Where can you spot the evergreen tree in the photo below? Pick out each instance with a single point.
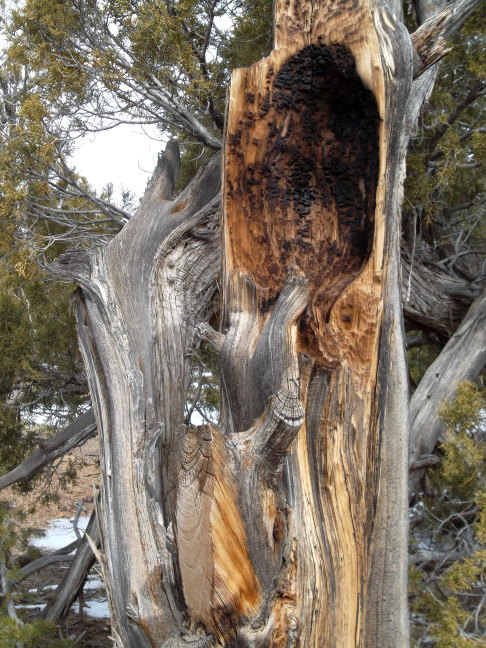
(448, 532)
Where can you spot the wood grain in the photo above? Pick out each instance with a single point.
(310, 180)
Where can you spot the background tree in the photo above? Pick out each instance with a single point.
(448, 532)
(73, 58)
(443, 212)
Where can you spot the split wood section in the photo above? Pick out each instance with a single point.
(137, 306)
(285, 526)
(309, 157)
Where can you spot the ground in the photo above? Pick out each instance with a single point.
(89, 632)
(57, 496)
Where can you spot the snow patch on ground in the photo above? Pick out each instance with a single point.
(60, 533)
(95, 608)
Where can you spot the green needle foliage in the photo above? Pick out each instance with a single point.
(16, 632)
(41, 373)
(448, 576)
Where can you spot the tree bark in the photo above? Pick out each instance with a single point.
(140, 300)
(286, 524)
(463, 358)
(61, 555)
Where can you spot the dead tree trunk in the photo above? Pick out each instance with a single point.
(314, 164)
(139, 302)
(286, 524)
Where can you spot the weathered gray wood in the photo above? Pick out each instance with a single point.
(438, 24)
(434, 301)
(141, 298)
(72, 436)
(71, 585)
(386, 613)
(443, 557)
(61, 555)
(463, 358)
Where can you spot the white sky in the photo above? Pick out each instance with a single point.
(125, 155)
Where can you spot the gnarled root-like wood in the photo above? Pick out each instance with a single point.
(228, 514)
(139, 302)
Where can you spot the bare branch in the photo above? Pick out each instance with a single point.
(74, 435)
(61, 555)
(443, 557)
(72, 583)
(215, 338)
(463, 358)
(429, 40)
(425, 462)
(433, 299)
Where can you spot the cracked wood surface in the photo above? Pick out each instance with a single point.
(312, 176)
(140, 300)
(220, 585)
(287, 525)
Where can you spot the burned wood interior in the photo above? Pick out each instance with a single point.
(302, 165)
(307, 144)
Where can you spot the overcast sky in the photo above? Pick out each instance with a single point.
(125, 155)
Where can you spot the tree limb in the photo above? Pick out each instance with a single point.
(72, 583)
(442, 557)
(462, 358)
(72, 436)
(429, 40)
(434, 300)
(425, 462)
(61, 555)
(207, 333)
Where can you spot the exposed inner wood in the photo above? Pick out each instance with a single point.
(305, 185)
(301, 174)
(220, 585)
